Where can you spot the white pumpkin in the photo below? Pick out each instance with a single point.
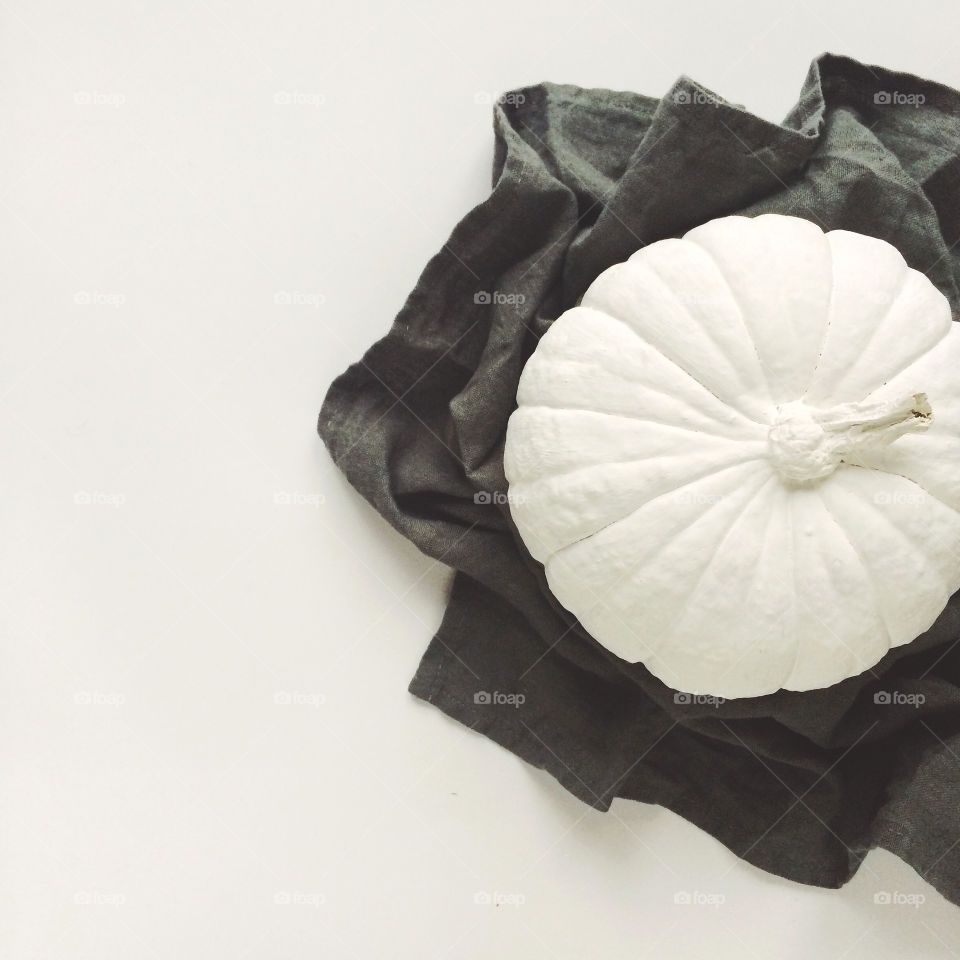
(738, 458)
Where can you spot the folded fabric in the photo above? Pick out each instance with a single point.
(800, 784)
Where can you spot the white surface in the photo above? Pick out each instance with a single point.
(157, 798)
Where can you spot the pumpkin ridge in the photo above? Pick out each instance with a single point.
(788, 509)
(828, 321)
(749, 650)
(639, 336)
(914, 361)
(603, 455)
(824, 242)
(737, 518)
(881, 322)
(661, 423)
(891, 525)
(740, 311)
(903, 476)
(558, 355)
(733, 299)
(901, 535)
(522, 495)
(721, 348)
(628, 416)
(568, 358)
(629, 627)
(667, 493)
(871, 579)
(632, 569)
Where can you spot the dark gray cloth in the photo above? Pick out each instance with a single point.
(800, 784)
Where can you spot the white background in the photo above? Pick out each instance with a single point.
(160, 799)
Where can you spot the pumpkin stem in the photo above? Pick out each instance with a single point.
(808, 444)
(910, 411)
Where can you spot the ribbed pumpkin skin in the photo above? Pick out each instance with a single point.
(643, 475)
